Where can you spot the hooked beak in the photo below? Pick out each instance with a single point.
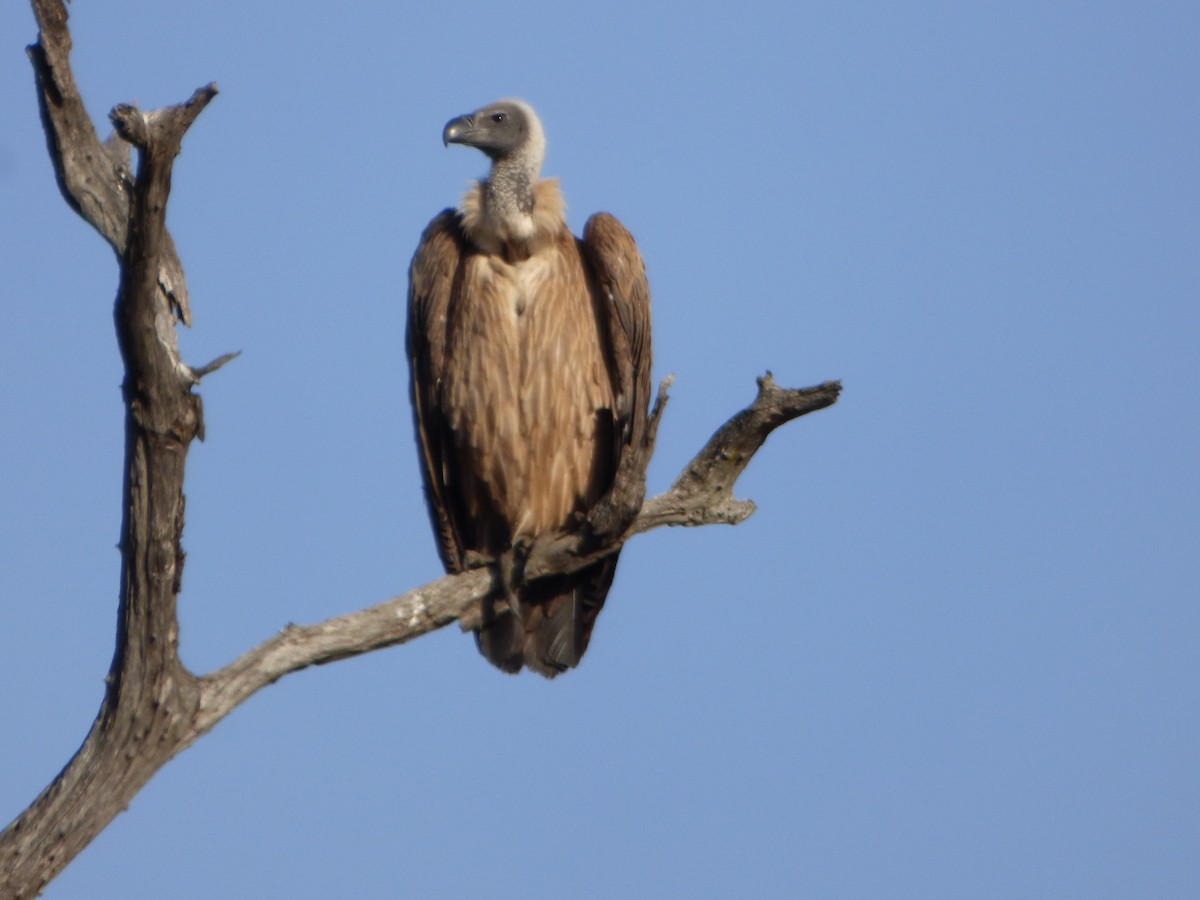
(458, 131)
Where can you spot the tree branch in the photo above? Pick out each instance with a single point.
(95, 178)
(703, 492)
(154, 707)
(700, 496)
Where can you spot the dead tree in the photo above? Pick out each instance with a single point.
(154, 707)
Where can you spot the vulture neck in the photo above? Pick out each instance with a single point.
(510, 187)
(513, 213)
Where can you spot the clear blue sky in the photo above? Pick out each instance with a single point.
(954, 654)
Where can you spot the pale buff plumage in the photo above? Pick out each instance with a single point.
(531, 376)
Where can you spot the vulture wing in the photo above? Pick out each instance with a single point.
(620, 279)
(431, 282)
(564, 609)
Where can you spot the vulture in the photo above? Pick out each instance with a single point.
(529, 354)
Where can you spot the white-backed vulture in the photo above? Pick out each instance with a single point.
(521, 414)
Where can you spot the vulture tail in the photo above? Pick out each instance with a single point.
(555, 626)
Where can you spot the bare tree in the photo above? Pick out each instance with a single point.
(154, 707)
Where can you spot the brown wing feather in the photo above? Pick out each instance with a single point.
(561, 612)
(431, 284)
(620, 277)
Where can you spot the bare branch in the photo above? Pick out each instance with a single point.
(91, 179)
(701, 495)
(296, 647)
(703, 492)
(95, 178)
(199, 372)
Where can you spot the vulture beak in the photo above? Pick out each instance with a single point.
(457, 131)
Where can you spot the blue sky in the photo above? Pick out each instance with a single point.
(954, 652)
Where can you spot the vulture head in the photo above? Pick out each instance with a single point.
(507, 130)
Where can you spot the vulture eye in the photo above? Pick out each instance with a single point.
(497, 117)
